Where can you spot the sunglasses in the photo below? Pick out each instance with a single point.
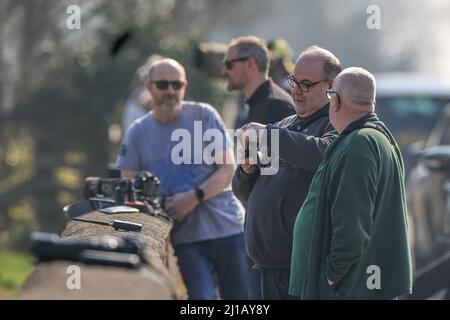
(164, 85)
(229, 64)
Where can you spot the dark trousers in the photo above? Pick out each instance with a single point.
(275, 284)
(224, 259)
(254, 281)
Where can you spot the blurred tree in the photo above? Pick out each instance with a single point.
(66, 88)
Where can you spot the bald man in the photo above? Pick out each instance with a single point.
(208, 230)
(350, 237)
(273, 201)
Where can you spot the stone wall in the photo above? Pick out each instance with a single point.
(159, 279)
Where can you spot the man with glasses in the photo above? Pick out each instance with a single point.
(208, 230)
(351, 235)
(246, 68)
(273, 201)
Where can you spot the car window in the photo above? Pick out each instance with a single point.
(404, 113)
(410, 118)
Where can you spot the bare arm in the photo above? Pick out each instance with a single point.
(221, 178)
(180, 204)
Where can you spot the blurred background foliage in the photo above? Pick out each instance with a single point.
(61, 90)
(14, 269)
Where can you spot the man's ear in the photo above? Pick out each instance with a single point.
(330, 84)
(252, 62)
(337, 106)
(148, 86)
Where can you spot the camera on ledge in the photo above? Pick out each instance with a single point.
(116, 195)
(143, 187)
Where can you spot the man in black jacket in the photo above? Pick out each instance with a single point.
(273, 201)
(246, 68)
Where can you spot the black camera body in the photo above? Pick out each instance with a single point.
(143, 187)
(101, 193)
(100, 187)
(126, 251)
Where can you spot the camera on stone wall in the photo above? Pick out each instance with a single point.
(143, 187)
(115, 195)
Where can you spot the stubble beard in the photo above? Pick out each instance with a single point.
(170, 106)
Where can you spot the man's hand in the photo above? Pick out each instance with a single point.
(248, 168)
(180, 204)
(246, 140)
(330, 283)
(253, 126)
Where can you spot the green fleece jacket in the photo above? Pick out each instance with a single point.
(352, 228)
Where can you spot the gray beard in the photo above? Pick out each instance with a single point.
(232, 87)
(166, 107)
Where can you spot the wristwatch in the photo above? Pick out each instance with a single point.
(199, 193)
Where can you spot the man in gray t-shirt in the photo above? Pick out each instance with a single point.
(185, 145)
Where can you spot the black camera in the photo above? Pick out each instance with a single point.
(143, 187)
(114, 195)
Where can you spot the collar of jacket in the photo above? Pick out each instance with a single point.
(365, 121)
(370, 120)
(261, 92)
(304, 122)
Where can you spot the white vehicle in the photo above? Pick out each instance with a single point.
(410, 105)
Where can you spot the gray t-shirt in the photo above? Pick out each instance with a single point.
(157, 147)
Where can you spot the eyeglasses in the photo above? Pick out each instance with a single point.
(303, 85)
(331, 93)
(229, 64)
(163, 84)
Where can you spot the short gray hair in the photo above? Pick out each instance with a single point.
(331, 64)
(358, 86)
(252, 46)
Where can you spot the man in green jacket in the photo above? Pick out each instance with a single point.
(351, 235)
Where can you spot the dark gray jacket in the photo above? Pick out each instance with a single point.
(268, 104)
(273, 201)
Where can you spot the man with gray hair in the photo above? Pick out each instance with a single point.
(246, 68)
(351, 235)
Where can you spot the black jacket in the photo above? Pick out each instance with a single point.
(273, 201)
(268, 104)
